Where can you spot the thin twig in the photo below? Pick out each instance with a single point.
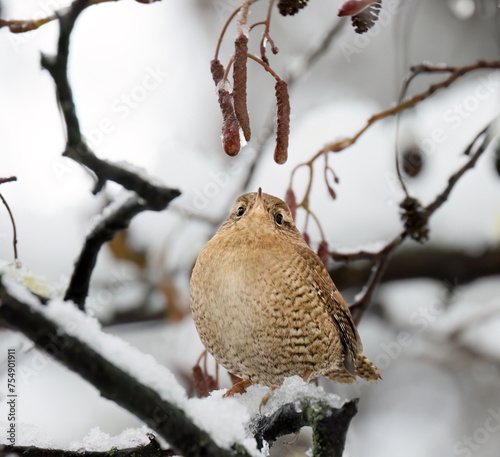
(410, 103)
(265, 66)
(26, 25)
(223, 32)
(265, 34)
(13, 222)
(382, 257)
(4, 180)
(361, 304)
(454, 178)
(456, 73)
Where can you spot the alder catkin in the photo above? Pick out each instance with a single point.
(240, 84)
(230, 127)
(283, 122)
(217, 71)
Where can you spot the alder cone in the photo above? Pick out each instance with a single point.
(413, 161)
(365, 20)
(290, 7)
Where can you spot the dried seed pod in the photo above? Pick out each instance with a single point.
(323, 253)
(217, 71)
(290, 7)
(291, 201)
(413, 162)
(240, 84)
(283, 122)
(230, 126)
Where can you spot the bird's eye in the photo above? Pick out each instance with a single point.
(279, 218)
(240, 211)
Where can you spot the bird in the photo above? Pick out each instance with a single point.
(265, 306)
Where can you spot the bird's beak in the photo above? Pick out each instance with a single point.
(259, 200)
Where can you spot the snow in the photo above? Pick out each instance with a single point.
(97, 440)
(122, 197)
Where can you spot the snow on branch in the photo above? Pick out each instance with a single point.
(116, 219)
(120, 372)
(152, 449)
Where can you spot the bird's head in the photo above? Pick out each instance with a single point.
(265, 211)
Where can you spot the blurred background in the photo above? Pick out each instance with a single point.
(144, 95)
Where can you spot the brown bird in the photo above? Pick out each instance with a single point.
(264, 304)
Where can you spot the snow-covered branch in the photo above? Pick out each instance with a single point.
(329, 425)
(152, 449)
(121, 374)
(116, 218)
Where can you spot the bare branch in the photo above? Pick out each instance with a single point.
(76, 148)
(451, 265)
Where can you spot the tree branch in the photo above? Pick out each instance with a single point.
(152, 449)
(451, 265)
(115, 384)
(151, 196)
(329, 425)
(416, 219)
(103, 232)
(76, 148)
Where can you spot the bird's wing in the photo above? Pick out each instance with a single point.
(336, 308)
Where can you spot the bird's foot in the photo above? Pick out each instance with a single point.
(266, 397)
(238, 388)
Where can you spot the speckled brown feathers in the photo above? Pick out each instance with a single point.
(264, 304)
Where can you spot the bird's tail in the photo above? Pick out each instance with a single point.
(364, 369)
